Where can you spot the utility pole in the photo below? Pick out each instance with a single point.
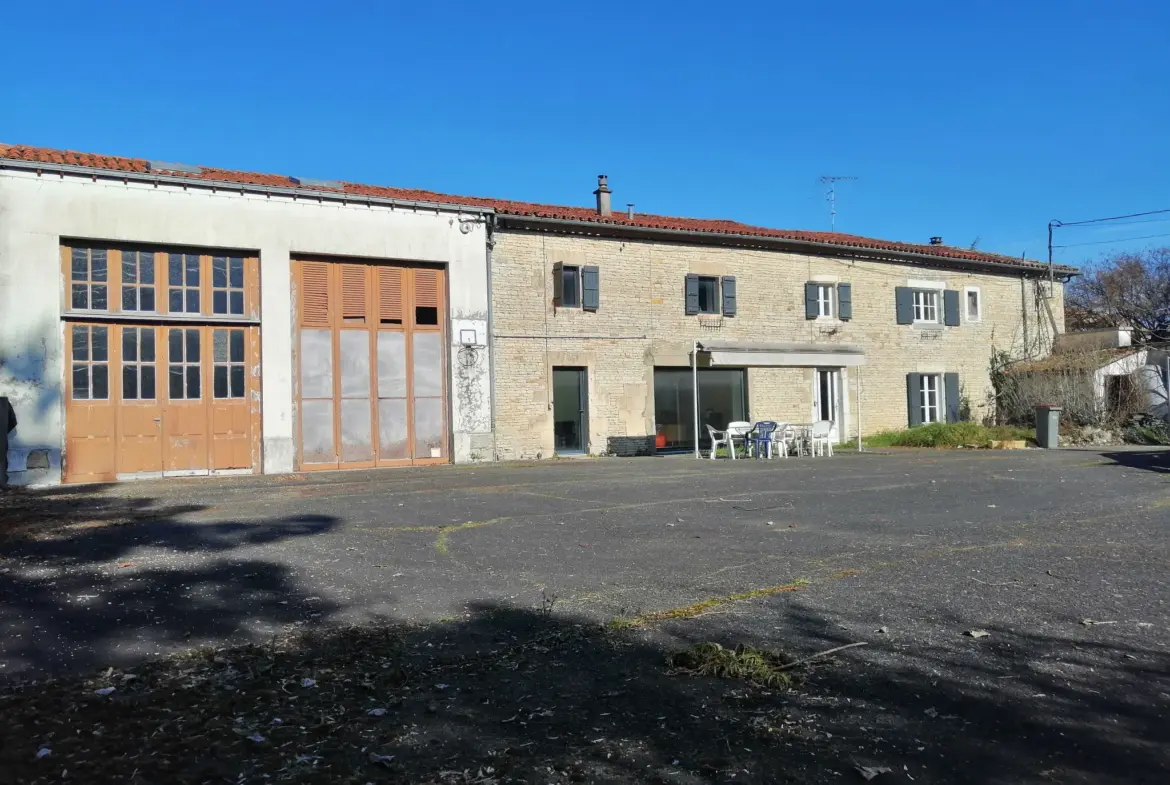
(1051, 270)
(831, 195)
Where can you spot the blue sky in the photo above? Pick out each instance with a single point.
(966, 120)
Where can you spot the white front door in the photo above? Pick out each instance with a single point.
(827, 399)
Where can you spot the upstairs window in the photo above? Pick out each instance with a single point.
(973, 305)
(227, 285)
(708, 294)
(566, 285)
(826, 300)
(183, 282)
(137, 280)
(926, 306)
(89, 275)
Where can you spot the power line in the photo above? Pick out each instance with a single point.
(1129, 223)
(1054, 224)
(1114, 218)
(1112, 242)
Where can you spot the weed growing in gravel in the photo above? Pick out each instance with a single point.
(710, 659)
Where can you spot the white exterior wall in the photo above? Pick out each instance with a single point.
(37, 211)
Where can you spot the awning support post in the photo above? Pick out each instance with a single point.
(695, 392)
(859, 447)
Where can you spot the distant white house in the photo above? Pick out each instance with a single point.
(1102, 366)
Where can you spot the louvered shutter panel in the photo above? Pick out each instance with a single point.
(845, 301)
(904, 304)
(951, 308)
(914, 398)
(426, 289)
(353, 292)
(390, 295)
(692, 294)
(558, 284)
(590, 288)
(951, 393)
(812, 306)
(729, 295)
(314, 294)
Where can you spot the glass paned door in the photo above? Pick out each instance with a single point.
(570, 405)
(827, 399)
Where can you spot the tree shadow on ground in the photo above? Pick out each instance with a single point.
(1146, 460)
(516, 695)
(91, 579)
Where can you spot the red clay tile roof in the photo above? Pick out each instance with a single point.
(526, 209)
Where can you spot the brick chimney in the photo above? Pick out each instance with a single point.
(602, 193)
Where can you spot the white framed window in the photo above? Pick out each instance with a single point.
(926, 306)
(972, 304)
(930, 397)
(826, 300)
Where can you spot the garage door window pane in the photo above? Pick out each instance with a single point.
(184, 364)
(392, 435)
(428, 428)
(316, 364)
(317, 432)
(428, 364)
(355, 364)
(356, 444)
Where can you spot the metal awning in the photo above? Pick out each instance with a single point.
(792, 355)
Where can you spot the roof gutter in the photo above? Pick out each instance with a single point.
(243, 188)
(1062, 272)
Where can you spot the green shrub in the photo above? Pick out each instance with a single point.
(948, 435)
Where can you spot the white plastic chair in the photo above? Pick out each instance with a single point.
(719, 439)
(819, 438)
(737, 430)
(780, 438)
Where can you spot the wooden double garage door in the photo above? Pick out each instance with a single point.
(151, 399)
(371, 364)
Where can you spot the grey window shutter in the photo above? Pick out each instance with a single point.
(558, 284)
(844, 301)
(904, 302)
(951, 393)
(812, 308)
(729, 295)
(914, 398)
(951, 308)
(590, 288)
(692, 294)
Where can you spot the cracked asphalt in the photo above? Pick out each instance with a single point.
(920, 542)
(1056, 561)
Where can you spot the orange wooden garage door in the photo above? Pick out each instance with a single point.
(371, 365)
(149, 399)
(159, 362)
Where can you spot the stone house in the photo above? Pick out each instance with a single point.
(595, 315)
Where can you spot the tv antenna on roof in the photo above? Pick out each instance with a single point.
(831, 195)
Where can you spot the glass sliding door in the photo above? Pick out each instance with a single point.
(722, 400)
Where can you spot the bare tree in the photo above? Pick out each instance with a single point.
(1129, 288)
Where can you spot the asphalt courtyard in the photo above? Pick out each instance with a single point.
(1008, 600)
